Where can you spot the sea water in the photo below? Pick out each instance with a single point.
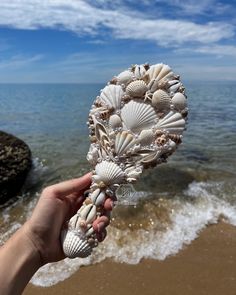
(173, 203)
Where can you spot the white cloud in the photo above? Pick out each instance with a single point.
(83, 18)
(213, 49)
(18, 61)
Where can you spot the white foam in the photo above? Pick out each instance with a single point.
(199, 208)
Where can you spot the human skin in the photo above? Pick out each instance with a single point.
(37, 242)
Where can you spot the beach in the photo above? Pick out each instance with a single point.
(164, 239)
(207, 266)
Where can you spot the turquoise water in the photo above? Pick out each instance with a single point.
(193, 189)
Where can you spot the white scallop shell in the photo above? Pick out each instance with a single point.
(136, 88)
(158, 71)
(124, 141)
(137, 116)
(139, 71)
(161, 100)
(111, 96)
(172, 122)
(125, 77)
(75, 246)
(109, 173)
(179, 101)
(146, 137)
(115, 121)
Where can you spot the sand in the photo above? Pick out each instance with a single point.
(207, 266)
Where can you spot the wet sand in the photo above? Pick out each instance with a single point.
(207, 266)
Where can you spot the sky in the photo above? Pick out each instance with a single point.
(76, 41)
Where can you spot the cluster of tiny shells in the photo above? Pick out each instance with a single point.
(135, 123)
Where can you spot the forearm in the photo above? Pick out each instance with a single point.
(19, 260)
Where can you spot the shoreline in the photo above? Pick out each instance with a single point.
(206, 266)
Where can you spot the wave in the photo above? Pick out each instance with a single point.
(199, 206)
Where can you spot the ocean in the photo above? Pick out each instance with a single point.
(173, 202)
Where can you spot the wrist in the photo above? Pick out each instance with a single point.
(19, 261)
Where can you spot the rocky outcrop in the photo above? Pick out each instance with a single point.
(15, 163)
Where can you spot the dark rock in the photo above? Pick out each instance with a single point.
(15, 163)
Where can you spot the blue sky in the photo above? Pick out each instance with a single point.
(91, 41)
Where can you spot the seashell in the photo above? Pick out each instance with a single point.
(161, 100)
(137, 116)
(75, 246)
(87, 213)
(136, 88)
(158, 71)
(179, 101)
(111, 96)
(74, 222)
(175, 137)
(102, 136)
(172, 122)
(92, 155)
(139, 71)
(109, 173)
(146, 137)
(98, 197)
(123, 142)
(161, 140)
(125, 77)
(174, 87)
(115, 121)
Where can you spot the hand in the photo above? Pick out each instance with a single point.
(57, 204)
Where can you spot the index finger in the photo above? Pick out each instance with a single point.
(68, 187)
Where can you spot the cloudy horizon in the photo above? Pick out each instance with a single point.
(79, 41)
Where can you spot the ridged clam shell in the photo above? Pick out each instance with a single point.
(158, 71)
(139, 71)
(74, 245)
(111, 96)
(98, 197)
(109, 173)
(172, 122)
(161, 100)
(124, 141)
(115, 121)
(137, 116)
(146, 137)
(136, 88)
(179, 101)
(125, 77)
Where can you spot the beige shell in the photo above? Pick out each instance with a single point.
(125, 77)
(87, 213)
(111, 96)
(146, 137)
(74, 245)
(109, 173)
(158, 71)
(98, 197)
(179, 101)
(137, 116)
(124, 141)
(172, 122)
(139, 71)
(115, 121)
(136, 88)
(161, 100)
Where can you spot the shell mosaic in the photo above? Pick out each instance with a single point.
(135, 123)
